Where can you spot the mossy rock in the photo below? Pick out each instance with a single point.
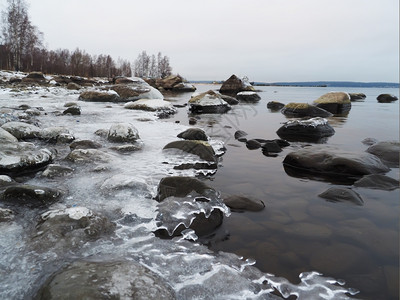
(334, 102)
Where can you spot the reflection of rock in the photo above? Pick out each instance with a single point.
(342, 195)
(105, 280)
(386, 98)
(334, 102)
(387, 151)
(377, 181)
(30, 196)
(234, 85)
(332, 164)
(299, 110)
(208, 102)
(242, 203)
(312, 130)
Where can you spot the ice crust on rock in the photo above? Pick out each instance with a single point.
(75, 213)
(313, 122)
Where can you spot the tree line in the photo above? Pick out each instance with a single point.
(21, 49)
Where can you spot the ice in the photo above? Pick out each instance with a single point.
(314, 122)
(75, 213)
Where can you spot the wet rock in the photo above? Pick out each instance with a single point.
(98, 96)
(243, 203)
(84, 144)
(378, 182)
(240, 135)
(73, 86)
(208, 102)
(105, 280)
(332, 164)
(73, 110)
(253, 144)
(199, 148)
(300, 110)
(88, 156)
(234, 85)
(193, 134)
(22, 130)
(157, 105)
(386, 98)
(312, 130)
(230, 100)
(387, 151)
(275, 105)
(248, 96)
(70, 228)
(54, 170)
(122, 133)
(335, 194)
(6, 215)
(30, 195)
(274, 146)
(57, 134)
(335, 102)
(22, 158)
(121, 181)
(357, 96)
(127, 148)
(6, 137)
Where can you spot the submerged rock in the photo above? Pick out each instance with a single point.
(378, 182)
(335, 194)
(387, 151)
(332, 164)
(30, 195)
(300, 110)
(312, 130)
(334, 102)
(208, 102)
(234, 85)
(193, 134)
(122, 133)
(243, 203)
(386, 98)
(105, 280)
(199, 148)
(248, 96)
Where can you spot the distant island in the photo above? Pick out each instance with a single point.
(318, 84)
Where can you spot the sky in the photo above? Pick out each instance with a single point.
(266, 40)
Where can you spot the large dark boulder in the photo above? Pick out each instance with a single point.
(234, 85)
(208, 102)
(336, 103)
(334, 165)
(105, 280)
(312, 130)
(193, 134)
(386, 98)
(300, 110)
(248, 96)
(387, 151)
(199, 148)
(174, 83)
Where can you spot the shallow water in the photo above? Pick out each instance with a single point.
(299, 231)
(285, 239)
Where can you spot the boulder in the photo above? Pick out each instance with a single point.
(229, 99)
(73, 86)
(122, 133)
(300, 110)
(57, 134)
(99, 96)
(248, 96)
(240, 135)
(135, 91)
(158, 105)
(193, 134)
(335, 102)
(208, 102)
(243, 203)
(23, 158)
(275, 105)
(386, 98)
(22, 130)
(73, 110)
(253, 144)
(105, 280)
(378, 182)
(200, 148)
(174, 83)
(30, 195)
(387, 151)
(335, 194)
(234, 85)
(312, 130)
(357, 96)
(273, 146)
(332, 164)
(34, 77)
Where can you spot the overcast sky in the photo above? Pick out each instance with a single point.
(267, 40)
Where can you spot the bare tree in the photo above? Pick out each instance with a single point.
(149, 67)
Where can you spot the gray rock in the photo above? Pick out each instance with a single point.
(378, 182)
(253, 144)
(84, 144)
(248, 96)
(230, 100)
(357, 96)
(335, 102)
(127, 148)
(122, 133)
(105, 280)
(387, 151)
(6, 137)
(88, 156)
(57, 134)
(98, 96)
(193, 134)
(53, 171)
(386, 98)
(243, 203)
(22, 130)
(275, 105)
(73, 86)
(335, 194)
(199, 148)
(30, 195)
(73, 110)
(332, 164)
(240, 135)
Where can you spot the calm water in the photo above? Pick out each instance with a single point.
(298, 231)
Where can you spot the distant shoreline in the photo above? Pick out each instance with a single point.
(315, 84)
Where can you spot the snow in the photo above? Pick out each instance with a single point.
(314, 122)
(75, 213)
